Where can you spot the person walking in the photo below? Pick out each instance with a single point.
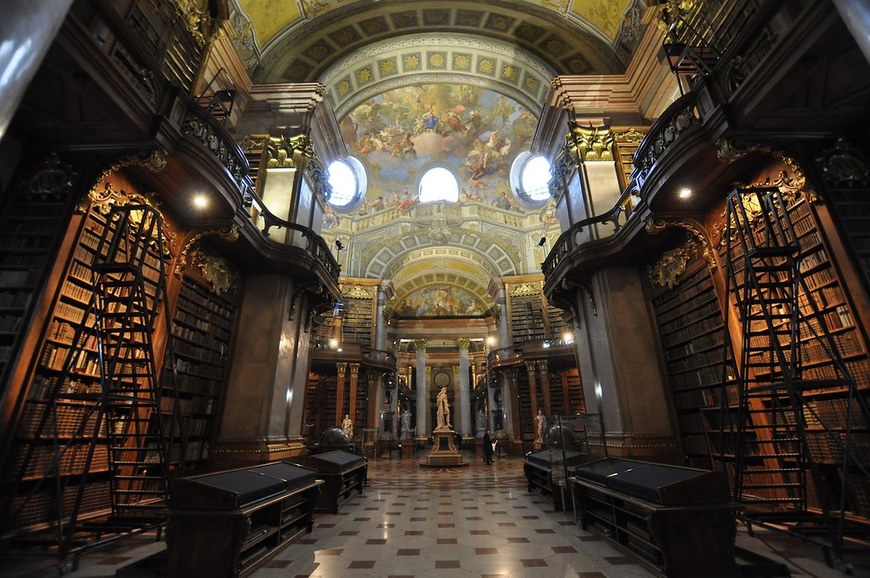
(487, 448)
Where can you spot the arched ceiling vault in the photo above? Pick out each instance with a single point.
(290, 42)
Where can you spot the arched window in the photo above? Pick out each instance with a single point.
(438, 184)
(530, 178)
(347, 179)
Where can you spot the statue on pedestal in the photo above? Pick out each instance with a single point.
(347, 426)
(442, 409)
(480, 423)
(542, 424)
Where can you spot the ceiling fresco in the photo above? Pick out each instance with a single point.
(416, 84)
(440, 300)
(476, 133)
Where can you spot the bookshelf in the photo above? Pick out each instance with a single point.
(526, 318)
(821, 404)
(29, 232)
(852, 208)
(202, 331)
(693, 343)
(62, 465)
(358, 316)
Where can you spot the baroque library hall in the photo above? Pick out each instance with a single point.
(504, 288)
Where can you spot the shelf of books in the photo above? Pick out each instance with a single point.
(527, 318)
(57, 443)
(29, 231)
(202, 331)
(358, 315)
(693, 343)
(827, 408)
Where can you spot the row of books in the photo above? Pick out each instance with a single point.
(19, 278)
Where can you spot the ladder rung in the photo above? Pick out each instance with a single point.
(771, 471)
(140, 492)
(760, 500)
(772, 486)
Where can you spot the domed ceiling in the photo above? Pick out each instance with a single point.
(416, 85)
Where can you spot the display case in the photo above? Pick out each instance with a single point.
(342, 473)
(568, 442)
(676, 521)
(228, 523)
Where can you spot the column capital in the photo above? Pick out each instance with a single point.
(543, 364)
(530, 366)
(354, 368)
(420, 344)
(590, 143)
(463, 343)
(341, 367)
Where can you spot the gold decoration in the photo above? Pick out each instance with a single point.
(288, 152)
(525, 290)
(197, 21)
(420, 345)
(216, 271)
(632, 135)
(509, 72)
(656, 225)
(387, 66)
(591, 144)
(461, 61)
(667, 271)
(486, 65)
(728, 151)
(230, 233)
(356, 292)
(343, 87)
(154, 160)
(463, 343)
(411, 62)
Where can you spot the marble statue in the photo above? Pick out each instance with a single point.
(442, 408)
(542, 423)
(480, 423)
(406, 424)
(347, 426)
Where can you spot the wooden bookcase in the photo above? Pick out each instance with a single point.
(29, 232)
(692, 335)
(824, 409)
(527, 318)
(59, 419)
(202, 331)
(358, 326)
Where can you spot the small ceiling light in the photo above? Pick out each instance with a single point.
(546, 345)
(568, 337)
(684, 193)
(490, 340)
(333, 343)
(200, 201)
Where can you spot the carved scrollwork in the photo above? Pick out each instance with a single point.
(525, 290)
(842, 167)
(356, 292)
(656, 225)
(668, 270)
(229, 233)
(289, 152)
(217, 272)
(51, 180)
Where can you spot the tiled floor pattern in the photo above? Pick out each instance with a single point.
(417, 522)
(477, 520)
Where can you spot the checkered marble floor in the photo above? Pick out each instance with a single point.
(477, 520)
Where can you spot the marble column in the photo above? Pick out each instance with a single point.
(28, 30)
(464, 391)
(492, 389)
(422, 393)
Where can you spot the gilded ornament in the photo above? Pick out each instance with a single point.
(525, 290)
(51, 180)
(656, 225)
(216, 271)
(356, 292)
(387, 67)
(667, 270)
(590, 144)
(288, 152)
(230, 233)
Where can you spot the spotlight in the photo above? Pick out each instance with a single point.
(542, 242)
(200, 201)
(684, 193)
(339, 245)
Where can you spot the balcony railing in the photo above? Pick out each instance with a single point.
(201, 126)
(677, 118)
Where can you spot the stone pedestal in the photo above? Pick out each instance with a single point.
(444, 451)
